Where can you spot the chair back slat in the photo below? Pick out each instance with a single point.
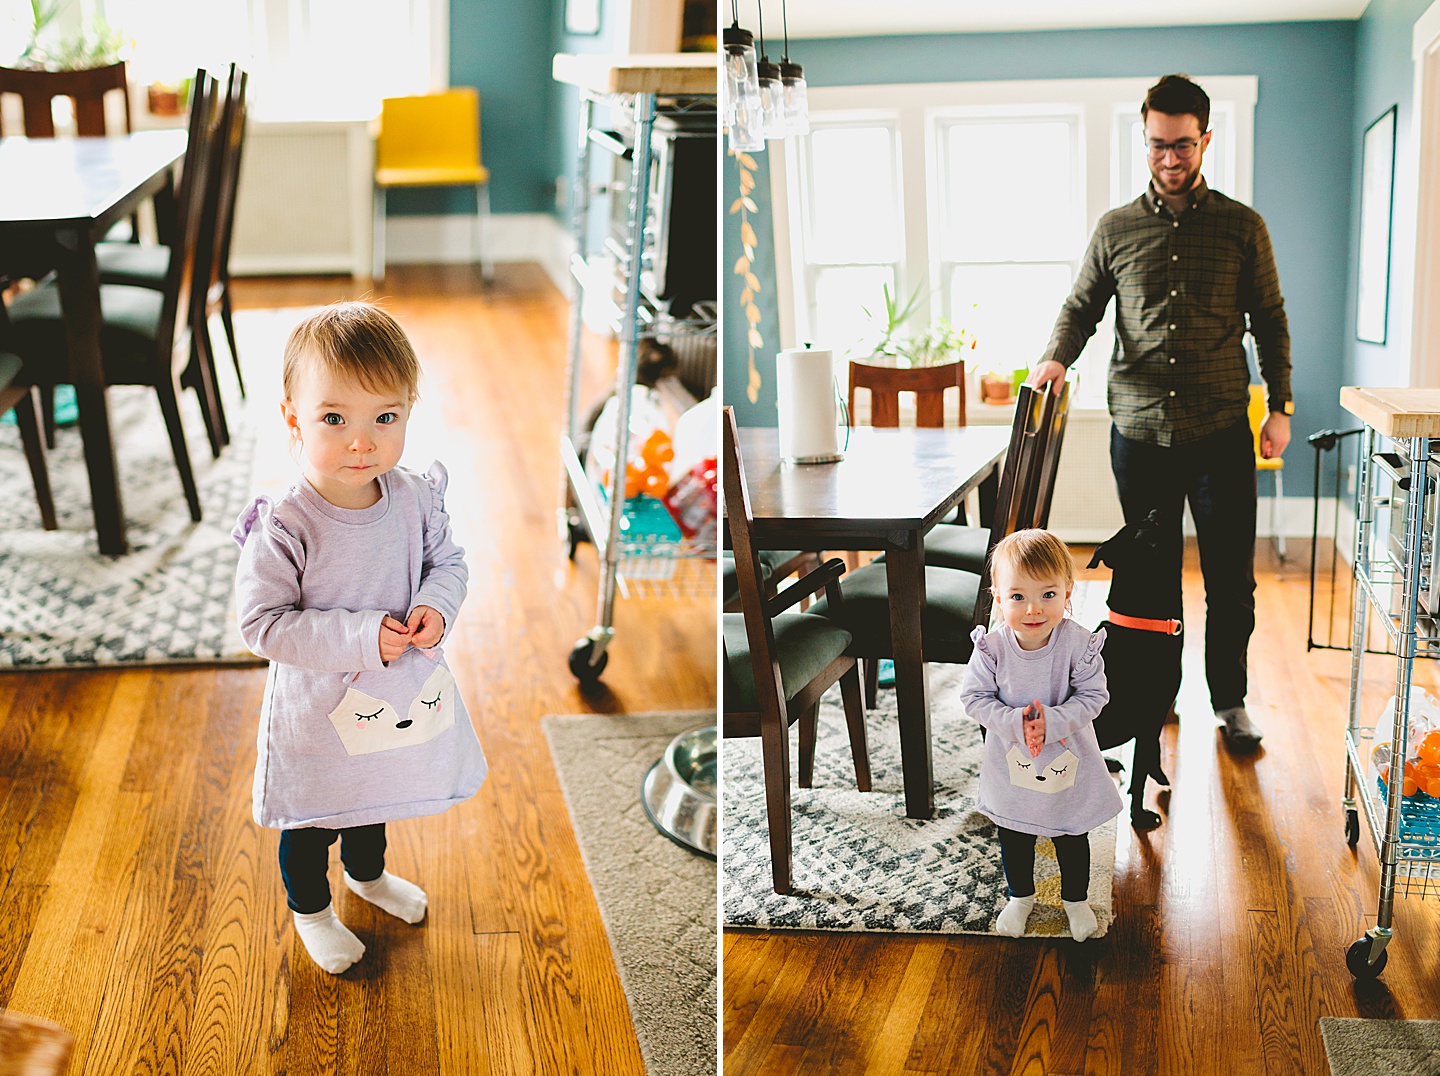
(86, 89)
(1029, 432)
(180, 279)
(928, 383)
(1050, 460)
(222, 178)
(769, 687)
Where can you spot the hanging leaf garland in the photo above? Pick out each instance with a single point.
(745, 205)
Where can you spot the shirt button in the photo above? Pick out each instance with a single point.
(1174, 257)
(1173, 292)
(1172, 360)
(1175, 224)
(1172, 325)
(1172, 392)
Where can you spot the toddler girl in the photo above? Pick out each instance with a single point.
(348, 584)
(1036, 683)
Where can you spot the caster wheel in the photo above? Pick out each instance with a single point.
(580, 662)
(1357, 959)
(1352, 827)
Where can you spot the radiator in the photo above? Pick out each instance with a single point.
(304, 203)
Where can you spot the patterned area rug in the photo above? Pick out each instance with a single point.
(859, 863)
(657, 898)
(170, 599)
(1381, 1047)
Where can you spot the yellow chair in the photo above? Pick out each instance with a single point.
(431, 140)
(1276, 467)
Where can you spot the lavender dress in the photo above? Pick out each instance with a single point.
(346, 740)
(1067, 789)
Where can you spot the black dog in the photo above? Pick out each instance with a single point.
(1142, 661)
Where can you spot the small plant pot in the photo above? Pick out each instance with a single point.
(995, 390)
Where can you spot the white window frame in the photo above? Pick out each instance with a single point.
(1105, 107)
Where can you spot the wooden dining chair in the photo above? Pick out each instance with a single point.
(147, 266)
(27, 417)
(950, 545)
(956, 602)
(778, 664)
(87, 90)
(144, 333)
(928, 383)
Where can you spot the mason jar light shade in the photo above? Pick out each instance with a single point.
(772, 101)
(797, 109)
(742, 81)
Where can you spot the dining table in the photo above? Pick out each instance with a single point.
(891, 487)
(58, 198)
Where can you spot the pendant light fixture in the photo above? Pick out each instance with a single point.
(772, 92)
(741, 105)
(792, 80)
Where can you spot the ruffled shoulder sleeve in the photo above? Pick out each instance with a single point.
(981, 638)
(250, 517)
(437, 478)
(1093, 647)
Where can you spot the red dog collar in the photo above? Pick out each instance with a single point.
(1166, 627)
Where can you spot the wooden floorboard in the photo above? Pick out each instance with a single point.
(1232, 918)
(141, 907)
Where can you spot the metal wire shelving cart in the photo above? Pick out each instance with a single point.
(631, 88)
(1397, 584)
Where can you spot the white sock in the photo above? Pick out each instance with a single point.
(327, 940)
(402, 899)
(1013, 917)
(1082, 919)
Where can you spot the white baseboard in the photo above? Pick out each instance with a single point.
(450, 239)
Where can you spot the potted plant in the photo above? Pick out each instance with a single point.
(934, 345)
(97, 45)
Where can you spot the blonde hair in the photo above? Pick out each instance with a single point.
(1036, 553)
(355, 341)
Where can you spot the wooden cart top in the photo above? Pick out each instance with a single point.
(1395, 412)
(669, 73)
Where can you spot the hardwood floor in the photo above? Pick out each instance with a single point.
(1232, 918)
(141, 907)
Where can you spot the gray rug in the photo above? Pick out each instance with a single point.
(657, 899)
(860, 863)
(170, 600)
(1381, 1047)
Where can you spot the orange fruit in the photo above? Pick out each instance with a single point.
(1429, 749)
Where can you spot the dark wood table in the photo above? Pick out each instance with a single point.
(891, 488)
(58, 196)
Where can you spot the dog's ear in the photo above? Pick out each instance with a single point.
(1104, 550)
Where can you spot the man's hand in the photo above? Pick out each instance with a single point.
(1049, 373)
(426, 626)
(394, 637)
(1274, 435)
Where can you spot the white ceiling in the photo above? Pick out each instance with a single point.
(853, 18)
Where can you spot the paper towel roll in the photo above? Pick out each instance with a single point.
(806, 394)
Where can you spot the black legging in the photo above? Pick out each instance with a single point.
(305, 860)
(1017, 852)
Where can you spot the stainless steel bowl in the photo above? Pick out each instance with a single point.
(679, 791)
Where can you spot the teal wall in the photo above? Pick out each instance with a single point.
(527, 120)
(1304, 142)
(1384, 76)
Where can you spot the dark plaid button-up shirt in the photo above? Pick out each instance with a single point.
(1186, 289)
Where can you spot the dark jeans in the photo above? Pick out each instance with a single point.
(1217, 476)
(305, 861)
(1017, 853)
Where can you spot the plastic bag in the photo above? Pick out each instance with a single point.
(646, 470)
(1421, 765)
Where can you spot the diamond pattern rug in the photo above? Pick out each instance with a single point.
(170, 600)
(859, 862)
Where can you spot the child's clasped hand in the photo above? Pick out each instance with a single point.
(1034, 725)
(423, 629)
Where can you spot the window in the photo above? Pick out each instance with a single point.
(978, 199)
(308, 59)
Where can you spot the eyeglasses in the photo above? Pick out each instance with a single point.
(1183, 149)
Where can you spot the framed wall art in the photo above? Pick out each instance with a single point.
(1377, 185)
